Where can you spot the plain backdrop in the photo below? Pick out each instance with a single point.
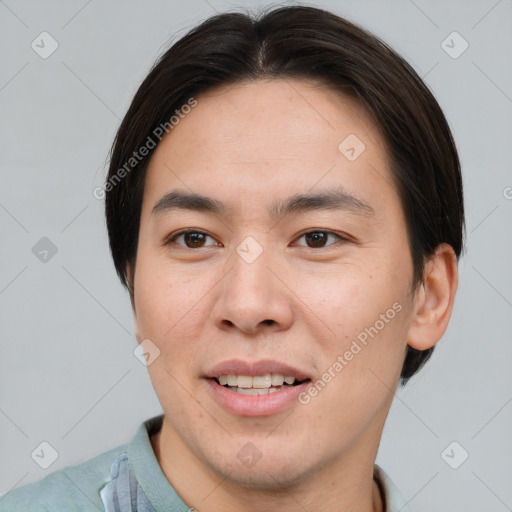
(68, 375)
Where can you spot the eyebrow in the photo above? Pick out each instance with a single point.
(331, 199)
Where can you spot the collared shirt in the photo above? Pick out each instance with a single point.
(128, 479)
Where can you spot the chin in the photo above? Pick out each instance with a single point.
(266, 479)
(270, 474)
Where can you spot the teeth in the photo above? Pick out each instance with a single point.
(277, 379)
(255, 391)
(261, 382)
(244, 381)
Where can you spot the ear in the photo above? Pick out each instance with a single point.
(433, 302)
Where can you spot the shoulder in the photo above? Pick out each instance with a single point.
(73, 488)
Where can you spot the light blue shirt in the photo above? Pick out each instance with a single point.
(127, 479)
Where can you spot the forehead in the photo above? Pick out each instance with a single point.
(256, 138)
(273, 115)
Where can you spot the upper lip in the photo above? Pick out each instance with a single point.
(253, 368)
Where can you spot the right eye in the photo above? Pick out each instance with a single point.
(193, 239)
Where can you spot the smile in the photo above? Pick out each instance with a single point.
(258, 384)
(253, 401)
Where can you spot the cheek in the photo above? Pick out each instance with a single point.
(170, 314)
(352, 295)
(358, 316)
(169, 307)
(362, 352)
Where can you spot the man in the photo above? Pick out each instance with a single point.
(284, 205)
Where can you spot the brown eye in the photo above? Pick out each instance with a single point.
(318, 239)
(191, 239)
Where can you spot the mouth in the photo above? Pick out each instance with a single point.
(258, 389)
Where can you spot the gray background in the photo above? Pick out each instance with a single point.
(68, 375)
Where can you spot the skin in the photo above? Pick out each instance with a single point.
(247, 145)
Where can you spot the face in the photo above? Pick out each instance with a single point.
(259, 282)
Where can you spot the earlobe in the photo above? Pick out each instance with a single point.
(434, 299)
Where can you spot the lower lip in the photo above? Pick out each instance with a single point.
(256, 405)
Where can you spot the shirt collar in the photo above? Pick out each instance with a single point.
(147, 470)
(392, 499)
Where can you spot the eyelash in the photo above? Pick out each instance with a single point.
(171, 239)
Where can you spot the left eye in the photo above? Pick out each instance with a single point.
(319, 238)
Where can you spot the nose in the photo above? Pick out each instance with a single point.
(254, 296)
